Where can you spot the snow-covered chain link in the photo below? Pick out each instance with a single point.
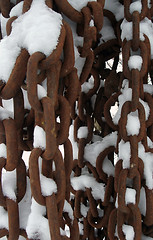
(86, 122)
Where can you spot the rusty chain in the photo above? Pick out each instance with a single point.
(89, 174)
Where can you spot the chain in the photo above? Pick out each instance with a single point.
(89, 174)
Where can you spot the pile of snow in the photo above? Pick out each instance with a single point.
(84, 181)
(37, 30)
(37, 225)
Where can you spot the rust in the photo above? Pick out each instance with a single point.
(17, 76)
(5, 7)
(99, 208)
(12, 145)
(13, 219)
(32, 80)
(9, 24)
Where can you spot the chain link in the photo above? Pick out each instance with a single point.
(88, 169)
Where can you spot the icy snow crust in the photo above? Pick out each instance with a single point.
(36, 30)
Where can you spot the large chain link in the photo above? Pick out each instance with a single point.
(87, 123)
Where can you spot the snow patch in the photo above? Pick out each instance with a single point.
(3, 151)
(37, 226)
(93, 150)
(128, 231)
(39, 138)
(135, 62)
(130, 195)
(84, 181)
(125, 153)
(48, 186)
(83, 132)
(9, 184)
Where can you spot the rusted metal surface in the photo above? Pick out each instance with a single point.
(99, 206)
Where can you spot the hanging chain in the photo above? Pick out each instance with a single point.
(87, 124)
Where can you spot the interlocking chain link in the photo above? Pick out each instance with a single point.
(84, 113)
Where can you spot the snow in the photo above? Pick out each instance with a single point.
(29, 32)
(9, 51)
(108, 167)
(79, 4)
(107, 31)
(116, 202)
(146, 108)
(133, 124)
(126, 95)
(48, 186)
(143, 237)
(135, 6)
(26, 101)
(39, 138)
(3, 152)
(78, 41)
(125, 153)
(82, 182)
(20, 238)
(128, 231)
(146, 28)
(86, 86)
(9, 184)
(130, 195)
(24, 207)
(67, 208)
(135, 62)
(3, 218)
(81, 228)
(3, 25)
(147, 158)
(93, 150)
(114, 110)
(25, 157)
(34, 24)
(148, 88)
(83, 132)
(41, 92)
(84, 210)
(37, 226)
(16, 10)
(142, 202)
(74, 144)
(91, 24)
(9, 105)
(116, 8)
(65, 232)
(79, 63)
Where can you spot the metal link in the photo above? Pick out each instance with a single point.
(80, 146)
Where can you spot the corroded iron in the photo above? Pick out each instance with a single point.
(98, 211)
